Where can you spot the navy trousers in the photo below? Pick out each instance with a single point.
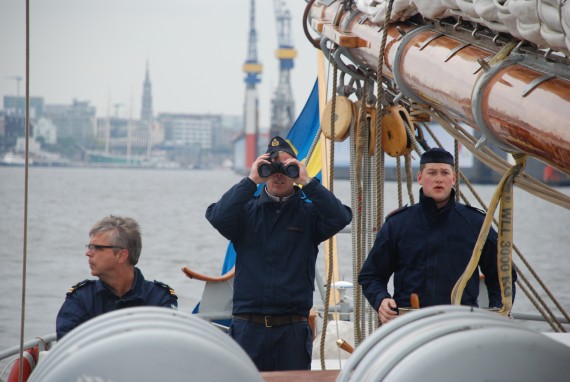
(286, 347)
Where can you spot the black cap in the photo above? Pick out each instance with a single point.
(437, 155)
(280, 144)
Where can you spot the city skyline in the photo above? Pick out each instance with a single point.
(98, 53)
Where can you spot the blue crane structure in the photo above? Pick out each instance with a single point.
(282, 103)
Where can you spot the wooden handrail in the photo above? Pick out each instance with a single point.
(198, 276)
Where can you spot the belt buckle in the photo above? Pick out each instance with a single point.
(268, 323)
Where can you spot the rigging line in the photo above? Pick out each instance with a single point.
(547, 314)
(370, 234)
(356, 200)
(379, 151)
(330, 259)
(457, 180)
(409, 177)
(399, 179)
(326, 297)
(533, 301)
(368, 199)
(26, 176)
(360, 139)
(542, 284)
(356, 226)
(331, 239)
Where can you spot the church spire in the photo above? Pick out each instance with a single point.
(146, 109)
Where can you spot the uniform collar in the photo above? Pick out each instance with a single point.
(266, 197)
(100, 286)
(428, 204)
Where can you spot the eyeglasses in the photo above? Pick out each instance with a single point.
(97, 247)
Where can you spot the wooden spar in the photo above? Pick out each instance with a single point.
(522, 104)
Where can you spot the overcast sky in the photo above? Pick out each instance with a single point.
(97, 51)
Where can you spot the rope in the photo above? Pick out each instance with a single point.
(551, 320)
(355, 204)
(369, 234)
(379, 152)
(26, 189)
(367, 215)
(535, 299)
(361, 138)
(399, 179)
(409, 178)
(313, 146)
(331, 252)
(456, 164)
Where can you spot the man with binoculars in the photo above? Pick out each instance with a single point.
(276, 235)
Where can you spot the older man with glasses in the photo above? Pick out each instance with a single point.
(113, 251)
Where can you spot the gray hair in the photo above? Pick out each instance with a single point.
(125, 233)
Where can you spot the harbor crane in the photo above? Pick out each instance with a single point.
(282, 103)
(252, 69)
(18, 80)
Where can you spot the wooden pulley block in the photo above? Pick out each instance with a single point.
(343, 116)
(395, 141)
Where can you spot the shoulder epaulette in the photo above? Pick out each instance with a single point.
(165, 286)
(476, 209)
(396, 211)
(79, 285)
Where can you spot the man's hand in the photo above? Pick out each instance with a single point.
(304, 177)
(388, 310)
(253, 174)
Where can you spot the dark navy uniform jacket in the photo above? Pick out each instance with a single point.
(427, 251)
(90, 298)
(276, 244)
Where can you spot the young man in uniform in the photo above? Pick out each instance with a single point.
(427, 247)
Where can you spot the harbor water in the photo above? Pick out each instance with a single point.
(63, 204)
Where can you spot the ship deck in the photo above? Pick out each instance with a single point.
(300, 376)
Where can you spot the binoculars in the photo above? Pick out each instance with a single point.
(291, 170)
